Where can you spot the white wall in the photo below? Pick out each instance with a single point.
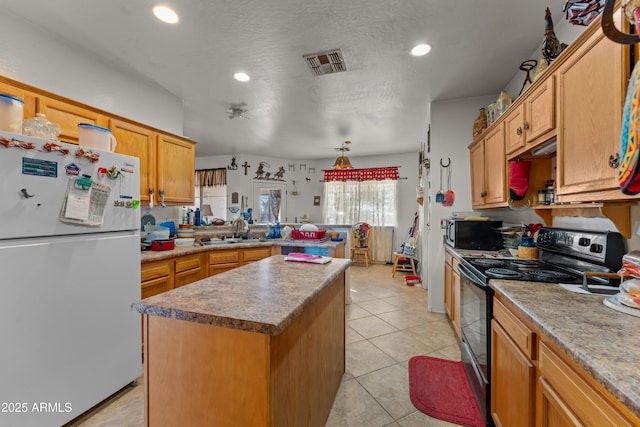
(451, 134)
(303, 202)
(38, 58)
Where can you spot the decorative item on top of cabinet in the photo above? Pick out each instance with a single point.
(580, 12)
(551, 47)
(527, 66)
(502, 103)
(481, 123)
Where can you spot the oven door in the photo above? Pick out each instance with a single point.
(475, 318)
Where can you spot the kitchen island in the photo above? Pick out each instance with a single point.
(259, 345)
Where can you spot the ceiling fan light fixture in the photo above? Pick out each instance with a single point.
(420, 49)
(165, 14)
(241, 77)
(342, 162)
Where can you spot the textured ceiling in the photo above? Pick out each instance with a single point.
(380, 104)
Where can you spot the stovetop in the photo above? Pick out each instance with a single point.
(521, 269)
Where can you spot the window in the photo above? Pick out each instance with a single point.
(211, 189)
(348, 202)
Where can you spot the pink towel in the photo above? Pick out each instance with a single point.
(301, 257)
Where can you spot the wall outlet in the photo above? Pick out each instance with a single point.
(443, 223)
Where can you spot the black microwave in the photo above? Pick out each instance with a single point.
(475, 235)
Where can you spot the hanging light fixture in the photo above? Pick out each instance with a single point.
(342, 162)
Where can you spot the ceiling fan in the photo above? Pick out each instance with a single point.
(237, 111)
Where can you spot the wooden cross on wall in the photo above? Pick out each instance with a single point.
(245, 166)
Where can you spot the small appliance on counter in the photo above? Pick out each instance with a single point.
(473, 234)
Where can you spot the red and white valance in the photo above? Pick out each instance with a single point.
(368, 174)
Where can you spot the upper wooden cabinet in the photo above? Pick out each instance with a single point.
(68, 116)
(591, 90)
(488, 169)
(137, 141)
(533, 121)
(175, 174)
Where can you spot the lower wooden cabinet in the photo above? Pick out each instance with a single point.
(223, 260)
(452, 291)
(534, 384)
(156, 277)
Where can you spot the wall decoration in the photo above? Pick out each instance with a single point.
(303, 166)
(265, 175)
(245, 166)
(312, 170)
(316, 200)
(233, 166)
(292, 167)
(234, 197)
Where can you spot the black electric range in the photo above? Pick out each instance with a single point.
(530, 270)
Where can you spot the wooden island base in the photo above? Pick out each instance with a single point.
(205, 375)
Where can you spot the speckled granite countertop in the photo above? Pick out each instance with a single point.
(602, 341)
(148, 256)
(264, 296)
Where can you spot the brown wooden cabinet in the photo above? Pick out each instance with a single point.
(138, 141)
(175, 170)
(513, 374)
(591, 89)
(535, 383)
(189, 269)
(156, 277)
(68, 115)
(533, 121)
(488, 169)
(452, 291)
(223, 260)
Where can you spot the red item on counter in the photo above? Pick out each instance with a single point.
(163, 245)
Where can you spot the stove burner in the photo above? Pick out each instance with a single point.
(487, 262)
(549, 276)
(502, 273)
(529, 263)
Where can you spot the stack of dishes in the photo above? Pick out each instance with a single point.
(185, 231)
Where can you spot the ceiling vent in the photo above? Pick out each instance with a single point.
(325, 62)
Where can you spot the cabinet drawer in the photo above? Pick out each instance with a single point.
(522, 336)
(187, 263)
(256, 254)
(154, 271)
(187, 277)
(155, 287)
(221, 268)
(224, 257)
(591, 407)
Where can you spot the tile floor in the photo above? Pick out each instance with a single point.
(387, 324)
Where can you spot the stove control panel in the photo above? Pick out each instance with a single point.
(603, 247)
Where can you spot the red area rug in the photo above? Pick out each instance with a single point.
(440, 389)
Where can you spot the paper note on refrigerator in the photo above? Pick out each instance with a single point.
(78, 203)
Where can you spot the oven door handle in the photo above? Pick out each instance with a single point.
(464, 272)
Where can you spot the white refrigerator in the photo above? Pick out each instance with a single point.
(69, 272)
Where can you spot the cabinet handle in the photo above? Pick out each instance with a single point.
(519, 131)
(614, 161)
(526, 125)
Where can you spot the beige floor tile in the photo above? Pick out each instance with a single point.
(436, 337)
(400, 346)
(403, 319)
(354, 311)
(125, 409)
(361, 295)
(390, 387)
(418, 419)
(353, 407)
(451, 352)
(371, 326)
(364, 357)
(377, 306)
(352, 336)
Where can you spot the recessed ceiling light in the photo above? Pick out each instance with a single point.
(241, 77)
(420, 49)
(165, 14)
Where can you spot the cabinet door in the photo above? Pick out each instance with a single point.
(514, 131)
(455, 301)
(448, 286)
(68, 116)
(137, 141)
(176, 168)
(495, 166)
(156, 286)
(186, 277)
(476, 157)
(540, 114)
(591, 88)
(512, 382)
(553, 412)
